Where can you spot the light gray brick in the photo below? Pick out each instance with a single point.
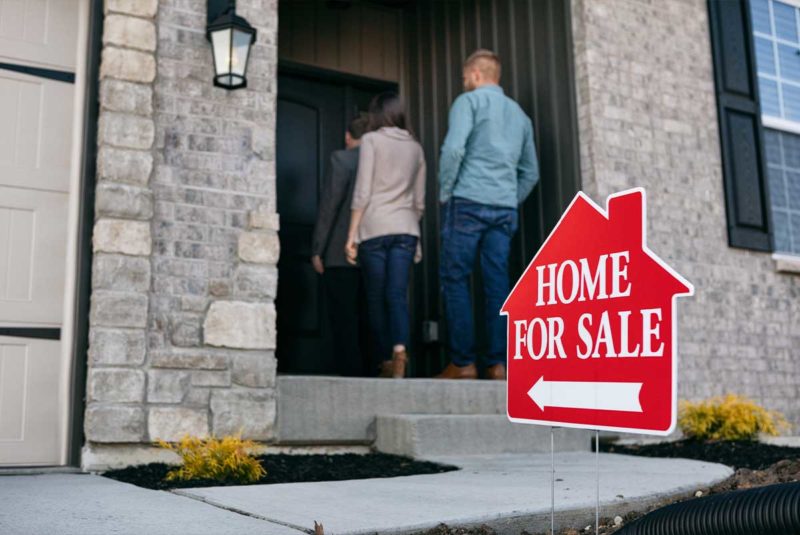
(120, 273)
(123, 201)
(173, 423)
(235, 411)
(114, 423)
(124, 165)
(167, 386)
(126, 97)
(122, 236)
(131, 65)
(117, 309)
(126, 130)
(116, 385)
(116, 347)
(141, 8)
(129, 32)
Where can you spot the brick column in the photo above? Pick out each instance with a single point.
(186, 245)
(122, 241)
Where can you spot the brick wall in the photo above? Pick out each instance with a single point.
(647, 117)
(182, 332)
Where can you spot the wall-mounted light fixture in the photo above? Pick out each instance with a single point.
(231, 38)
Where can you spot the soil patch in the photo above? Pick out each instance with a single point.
(283, 468)
(736, 454)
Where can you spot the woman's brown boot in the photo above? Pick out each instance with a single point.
(399, 359)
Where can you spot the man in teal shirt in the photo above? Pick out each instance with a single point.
(488, 166)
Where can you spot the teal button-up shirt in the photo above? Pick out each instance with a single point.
(488, 155)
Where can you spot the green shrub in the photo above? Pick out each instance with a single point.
(729, 418)
(221, 459)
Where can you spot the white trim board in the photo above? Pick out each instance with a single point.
(776, 123)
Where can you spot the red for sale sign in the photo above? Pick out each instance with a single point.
(592, 329)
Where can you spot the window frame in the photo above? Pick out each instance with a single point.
(782, 258)
(772, 121)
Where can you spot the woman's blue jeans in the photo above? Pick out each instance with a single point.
(386, 264)
(471, 230)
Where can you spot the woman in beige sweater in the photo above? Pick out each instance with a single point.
(388, 202)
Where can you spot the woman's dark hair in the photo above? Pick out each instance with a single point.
(386, 109)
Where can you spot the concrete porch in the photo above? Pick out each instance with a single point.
(415, 417)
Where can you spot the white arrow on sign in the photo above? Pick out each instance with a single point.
(586, 395)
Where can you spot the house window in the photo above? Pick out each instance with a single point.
(783, 171)
(776, 35)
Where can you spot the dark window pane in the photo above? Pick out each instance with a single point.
(772, 147)
(777, 187)
(793, 190)
(791, 150)
(794, 232)
(768, 91)
(780, 222)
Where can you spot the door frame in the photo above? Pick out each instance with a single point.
(321, 74)
(348, 80)
(75, 340)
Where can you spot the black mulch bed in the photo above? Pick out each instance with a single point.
(736, 454)
(283, 468)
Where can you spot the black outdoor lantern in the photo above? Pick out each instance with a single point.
(231, 37)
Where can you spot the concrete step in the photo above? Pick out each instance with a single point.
(336, 410)
(426, 435)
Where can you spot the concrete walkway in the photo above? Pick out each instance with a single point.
(83, 504)
(509, 493)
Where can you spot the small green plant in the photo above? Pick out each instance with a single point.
(728, 418)
(221, 459)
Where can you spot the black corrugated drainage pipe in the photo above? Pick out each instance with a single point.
(772, 510)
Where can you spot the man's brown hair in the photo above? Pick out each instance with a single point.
(486, 61)
(358, 127)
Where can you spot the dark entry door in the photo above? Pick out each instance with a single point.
(313, 112)
(310, 122)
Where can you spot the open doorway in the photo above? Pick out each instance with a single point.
(314, 108)
(333, 56)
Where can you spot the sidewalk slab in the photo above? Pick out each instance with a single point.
(509, 493)
(83, 504)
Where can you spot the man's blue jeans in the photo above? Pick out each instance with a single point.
(386, 264)
(469, 229)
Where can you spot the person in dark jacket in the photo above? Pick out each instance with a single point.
(341, 280)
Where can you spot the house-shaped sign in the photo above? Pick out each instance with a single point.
(592, 327)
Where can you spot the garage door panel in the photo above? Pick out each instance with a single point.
(32, 253)
(29, 396)
(36, 131)
(41, 32)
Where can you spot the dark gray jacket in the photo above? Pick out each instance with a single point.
(333, 218)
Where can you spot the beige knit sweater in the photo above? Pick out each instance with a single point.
(390, 185)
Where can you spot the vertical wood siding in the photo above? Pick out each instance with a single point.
(422, 45)
(533, 39)
(363, 39)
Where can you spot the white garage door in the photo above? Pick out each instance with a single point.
(40, 50)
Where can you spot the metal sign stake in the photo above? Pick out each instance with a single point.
(597, 472)
(552, 484)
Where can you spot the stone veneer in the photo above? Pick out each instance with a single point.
(182, 322)
(647, 117)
